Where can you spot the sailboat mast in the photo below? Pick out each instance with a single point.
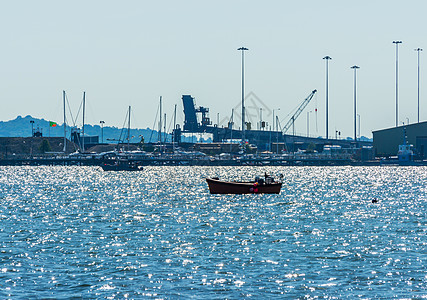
(129, 128)
(174, 128)
(160, 122)
(164, 130)
(83, 126)
(231, 132)
(65, 125)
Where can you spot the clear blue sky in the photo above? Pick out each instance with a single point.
(131, 52)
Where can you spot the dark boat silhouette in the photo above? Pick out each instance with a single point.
(258, 186)
(121, 165)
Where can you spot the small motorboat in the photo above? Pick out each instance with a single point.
(121, 165)
(265, 185)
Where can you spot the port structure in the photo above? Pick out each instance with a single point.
(264, 140)
(298, 112)
(191, 124)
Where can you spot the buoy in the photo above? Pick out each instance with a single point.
(375, 200)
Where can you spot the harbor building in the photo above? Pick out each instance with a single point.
(386, 141)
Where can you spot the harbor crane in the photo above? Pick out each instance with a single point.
(298, 111)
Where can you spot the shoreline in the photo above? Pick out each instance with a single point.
(203, 162)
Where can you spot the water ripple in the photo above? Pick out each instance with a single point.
(81, 232)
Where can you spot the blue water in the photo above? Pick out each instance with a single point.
(81, 232)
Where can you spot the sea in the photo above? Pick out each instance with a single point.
(79, 232)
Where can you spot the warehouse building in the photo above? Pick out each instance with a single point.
(386, 141)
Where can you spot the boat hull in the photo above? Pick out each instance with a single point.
(121, 167)
(225, 187)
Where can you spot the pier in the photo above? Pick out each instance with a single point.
(170, 160)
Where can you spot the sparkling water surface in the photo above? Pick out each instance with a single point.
(81, 232)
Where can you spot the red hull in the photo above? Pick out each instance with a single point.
(225, 187)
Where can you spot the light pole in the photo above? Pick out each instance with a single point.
(397, 78)
(102, 131)
(418, 50)
(358, 117)
(327, 58)
(355, 69)
(243, 49)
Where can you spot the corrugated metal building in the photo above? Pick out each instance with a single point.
(387, 141)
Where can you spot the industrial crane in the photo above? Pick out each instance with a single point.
(298, 111)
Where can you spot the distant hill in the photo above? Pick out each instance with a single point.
(21, 127)
(362, 138)
(365, 139)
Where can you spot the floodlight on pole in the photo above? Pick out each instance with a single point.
(243, 49)
(397, 79)
(358, 123)
(418, 52)
(327, 58)
(355, 113)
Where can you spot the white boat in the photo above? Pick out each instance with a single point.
(405, 153)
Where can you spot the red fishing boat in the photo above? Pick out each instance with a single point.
(258, 186)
